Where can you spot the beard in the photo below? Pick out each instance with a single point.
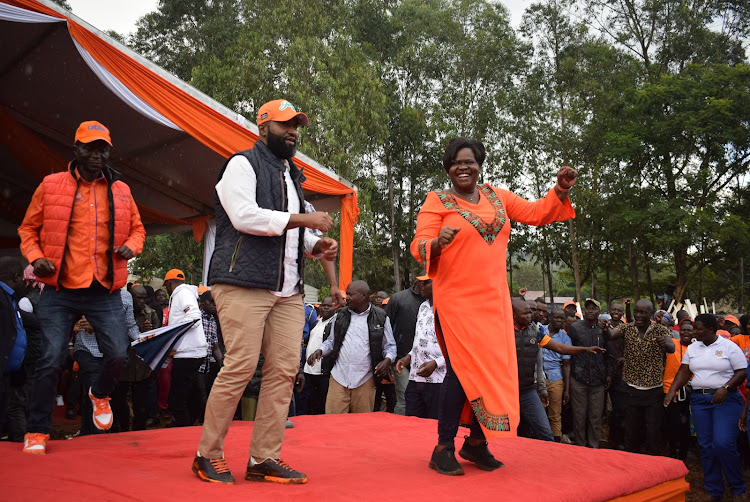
(278, 146)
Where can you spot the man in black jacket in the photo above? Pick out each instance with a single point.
(402, 309)
(256, 274)
(591, 377)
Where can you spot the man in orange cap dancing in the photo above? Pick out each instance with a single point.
(256, 277)
(81, 228)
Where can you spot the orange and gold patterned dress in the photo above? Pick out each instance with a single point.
(470, 292)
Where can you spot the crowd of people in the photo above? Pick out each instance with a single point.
(256, 351)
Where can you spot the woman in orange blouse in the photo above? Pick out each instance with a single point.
(462, 239)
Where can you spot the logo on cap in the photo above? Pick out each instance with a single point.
(264, 116)
(286, 104)
(95, 127)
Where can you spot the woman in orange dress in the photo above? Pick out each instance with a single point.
(462, 239)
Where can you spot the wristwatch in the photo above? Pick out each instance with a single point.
(726, 386)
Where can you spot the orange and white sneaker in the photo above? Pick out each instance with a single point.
(102, 412)
(35, 443)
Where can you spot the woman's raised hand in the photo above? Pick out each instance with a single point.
(446, 236)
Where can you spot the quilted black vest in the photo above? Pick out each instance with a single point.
(256, 261)
(527, 349)
(375, 326)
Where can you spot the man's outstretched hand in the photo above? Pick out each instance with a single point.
(329, 247)
(314, 357)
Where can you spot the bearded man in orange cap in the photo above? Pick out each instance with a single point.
(256, 275)
(81, 228)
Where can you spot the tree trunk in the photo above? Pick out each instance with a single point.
(681, 269)
(634, 273)
(574, 257)
(742, 285)
(607, 285)
(594, 282)
(647, 262)
(395, 248)
(549, 281)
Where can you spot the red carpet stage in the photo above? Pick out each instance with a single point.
(346, 457)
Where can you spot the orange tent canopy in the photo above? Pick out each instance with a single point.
(170, 153)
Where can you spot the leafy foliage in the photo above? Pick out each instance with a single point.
(648, 99)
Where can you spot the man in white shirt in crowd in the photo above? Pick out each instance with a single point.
(256, 276)
(361, 348)
(315, 378)
(190, 350)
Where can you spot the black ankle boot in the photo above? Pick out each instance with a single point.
(480, 455)
(444, 462)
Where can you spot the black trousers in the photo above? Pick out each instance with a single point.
(318, 385)
(452, 399)
(18, 400)
(389, 391)
(422, 399)
(139, 398)
(618, 395)
(678, 428)
(185, 390)
(644, 416)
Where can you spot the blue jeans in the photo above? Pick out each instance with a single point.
(58, 313)
(533, 413)
(716, 428)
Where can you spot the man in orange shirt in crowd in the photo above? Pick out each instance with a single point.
(79, 232)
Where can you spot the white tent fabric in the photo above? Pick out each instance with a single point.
(18, 15)
(123, 92)
(15, 14)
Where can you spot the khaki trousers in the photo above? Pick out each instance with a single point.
(253, 320)
(343, 400)
(554, 410)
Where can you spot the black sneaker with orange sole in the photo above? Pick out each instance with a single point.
(275, 471)
(213, 470)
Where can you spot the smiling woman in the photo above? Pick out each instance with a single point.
(462, 238)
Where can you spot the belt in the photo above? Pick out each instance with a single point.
(711, 391)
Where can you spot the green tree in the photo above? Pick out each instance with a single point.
(167, 251)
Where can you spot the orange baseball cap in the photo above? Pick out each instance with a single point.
(175, 273)
(732, 319)
(92, 131)
(569, 302)
(202, 289)
(280, 110)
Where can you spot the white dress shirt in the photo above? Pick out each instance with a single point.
(236, 191)
(354, 366)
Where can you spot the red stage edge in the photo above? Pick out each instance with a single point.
(346, 457)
